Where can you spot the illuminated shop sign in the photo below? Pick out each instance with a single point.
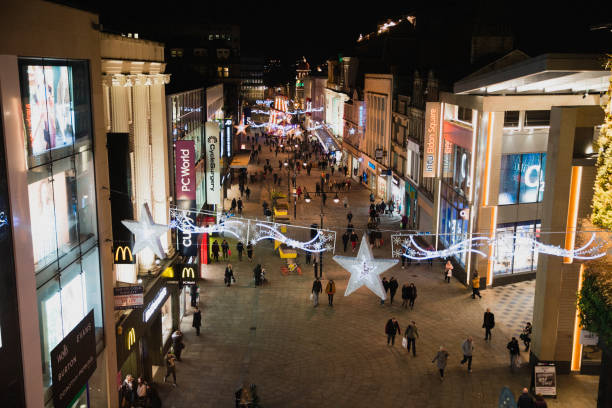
(123, 255)
(185, 175)
(432, 124)
(371, 165)
(155, 304)
(131, 338)
(213, 188)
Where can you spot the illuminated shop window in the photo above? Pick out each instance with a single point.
(513, 254)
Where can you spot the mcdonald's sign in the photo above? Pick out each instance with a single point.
(188, 273)
(131, 338)
(123, 255)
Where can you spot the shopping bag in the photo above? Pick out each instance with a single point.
(518, 361)
(404, 342)
(311, 296)
(229, 252)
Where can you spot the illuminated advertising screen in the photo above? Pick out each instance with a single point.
(49, 110)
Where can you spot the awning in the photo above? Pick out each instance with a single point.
(240, 161)
(327, 140)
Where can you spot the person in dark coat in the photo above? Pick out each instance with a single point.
(229, 275)
(257, 274)
(405, 296)
(240, 249)
(488, 323)
(250, 251)
(385, 284)
(412, 295)
(233, 206)
(316, 289)
(177, 344)
(197, 320)
(349, 217)
(240, 205)
(525, 400)
(193, 292)
(391, 329)
(225, 249)
(215, 250)
(515, 352)
(308, 257)
(393, 285)
(345, 240)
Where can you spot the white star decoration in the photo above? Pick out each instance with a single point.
(241, 127)
(365, 270)
(146, 232)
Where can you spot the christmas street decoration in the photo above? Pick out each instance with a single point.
(323, 241)
(241, 127)
(146, 232)
(365, 270)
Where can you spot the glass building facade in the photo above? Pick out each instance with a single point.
(62, 199)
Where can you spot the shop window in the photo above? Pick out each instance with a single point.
(514, 250)
(92, 290)
(166, 319)
(522, 178)
(537, 118)
(511, 119)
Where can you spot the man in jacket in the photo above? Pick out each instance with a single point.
(330, 289)
(405, 296)
(385, 284)
(525, 400)
(411, 335)
(345, 240)
(488, 323)
(177, 344)
(215, 250)
(393, 285)
(476, 287)
(240, 249)
(170, 366)
(412, 295)
(513, 348)
(316, 289)
(467, 347)
(197, 320)
(229, 275)
(391, 329)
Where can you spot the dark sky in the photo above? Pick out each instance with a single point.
(320, 30)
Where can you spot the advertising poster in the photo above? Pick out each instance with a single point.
(213, 176)
(184, 152)
(73, 361)
(545, 379)
(49, 110)
(128, 297)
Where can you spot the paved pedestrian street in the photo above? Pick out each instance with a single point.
(304, 356)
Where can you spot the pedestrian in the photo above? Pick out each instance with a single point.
(324, 197)
(193, 292)
(404, 221)
(229, 275)
(441, 359)
(225, 249)
(350, 228)
(412, 295)
(330, 289)
(299, 193)
(411, 335)
(247, 192)
(349, 216)
(526, 335)
(240, 206)
(449, 271)
(345, 240)
(391, 329)
(197, 320)
(316, 289)
(233, 205)
(405, 296)
(539, 402)
(128, 391)
(315, 267)
(354, 239)
(393, 285)
(170, 366)
(468, 348)
(215, 250)
(515, 352)
(250, 252)
(142, 393)
(240, 249)
(308, 257)
(371, 197)
(488, 323)
(525, 400)
(385, 284)
(177, 344)
(476, 287)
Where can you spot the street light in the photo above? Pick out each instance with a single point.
(336, 199)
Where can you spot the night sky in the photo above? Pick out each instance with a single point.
(320, 30)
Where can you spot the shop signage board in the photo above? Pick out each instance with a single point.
(588, 338)
(73, 361)
(378, 153)
(155, 304)
(545, 379)
(213, 176)
(432, 130)
(188, 273)
(128, 297)
(123, 255)
(184, 155)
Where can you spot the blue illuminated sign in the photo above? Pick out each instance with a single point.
(3, 220)
(372, 166)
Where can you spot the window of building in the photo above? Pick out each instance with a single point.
(210, 37)
(199, 52)
(522, 178)
(464, 114)
(413, 164)
(225, 72)
(535, 118)
(511, 119)
(514, 250)
(220, 72)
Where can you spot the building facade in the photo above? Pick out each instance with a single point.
(251, 72)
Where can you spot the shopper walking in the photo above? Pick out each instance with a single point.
(349, 216)
(539, 402)
(393, 285)
(476, 287)
(525, 400)
(229, 275)
(315, 267)
(177, 344)
(468, 348)
(488, 323)
(250, 252)
(193, 292)
(197, 320)
(354, 239)
(225, 249)
(330, 289)
(345, 240)
(240, 249)
(316, 289)
(240, 206)
(391, 329)
(170, 367)
(411, 335)
(385, 284)
(449, 271)
(526, 335)
(441, 358)
(215, 250)
(405, 296)
(515, 353)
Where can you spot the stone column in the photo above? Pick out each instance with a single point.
(119, 115)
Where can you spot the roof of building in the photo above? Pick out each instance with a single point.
(544, 74)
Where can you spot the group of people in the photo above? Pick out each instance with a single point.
(317, 288)
(138, 393)
(226, 251)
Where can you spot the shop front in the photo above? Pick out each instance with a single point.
(398, 195)
(411, 208)
(381, 187)
(355, 165)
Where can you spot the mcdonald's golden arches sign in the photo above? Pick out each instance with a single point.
(123, 255)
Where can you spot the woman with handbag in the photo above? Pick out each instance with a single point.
(229, 275)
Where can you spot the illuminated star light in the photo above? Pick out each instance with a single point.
(241, 127)
(365, 270)
(146, 232)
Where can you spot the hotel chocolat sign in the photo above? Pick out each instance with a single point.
(213, 176)
(432, 124)
(185, 178)
(73, 361)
